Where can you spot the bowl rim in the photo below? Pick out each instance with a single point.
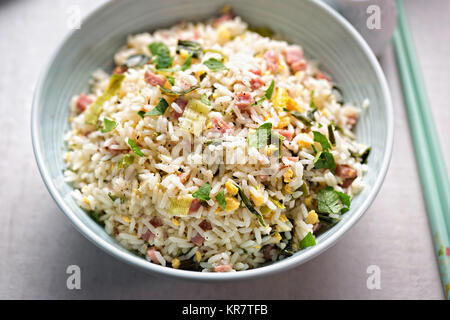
(279, 266)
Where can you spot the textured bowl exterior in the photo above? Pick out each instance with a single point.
(322, 33)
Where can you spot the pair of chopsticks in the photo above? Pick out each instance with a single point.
(432, 170)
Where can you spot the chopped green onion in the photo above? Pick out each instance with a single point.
(95, 109)
(205, 99)
(187, 63)
(160, 109)
(191, 46)
(176, 93)
(179, 206)
(249, 206)
(126, 160)
(331, 134)
(136, 60)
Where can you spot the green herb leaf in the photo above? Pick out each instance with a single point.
(365, 155)
(141, 114)
(205, 99)
(134, 147)
(214, 65)
(304, 189)
(332, 202)
(175, 93)
(262, 31)
(213, 142)
(267, 95)
(191, 46)
(249, 206)
(114, 198)
(187, 63)
(203, 192)
(95, 216)
(269, 90)
(220, 197)
(324, 160)
(305, 120)
(307, 241)
(95, 109)
(171, 80)
(160, 108)
(331, 134)
(162, 54)
(126, 160)
(136, 60)
(261, 137)
(312, 105)
(108, 125)
(320, 138)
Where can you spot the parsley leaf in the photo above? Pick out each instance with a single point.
(187, 63)
(220, 197)
(162, 53)
(203, 192)
(214, 64)
(267, 95)
(269, 90)
(261, 136)
(134, 147)
(320, 138)
(160, 108)
(109, 125)
(171, 80)
(307, 241)
(332, 202)
(305, 120)
(324, 160)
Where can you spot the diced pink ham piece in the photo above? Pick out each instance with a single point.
(243, 100)
(316, 227)
(120, 70)
(221, 125)
(256, 83)
(268, 251)
(205, 225)
(184, 176)
(321, 75)
(352, 119)
(154, 79)
(293, 159)
(182, 104)
(347, 173)
(271, 59)
(258, 72)
(197, 239)
(152, 256)
(287, 134)
(195, 205)
(156, 222)
(83, 102)
(223, 268)
(294, 58)
(148, 236)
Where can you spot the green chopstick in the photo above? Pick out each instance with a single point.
(432, 170)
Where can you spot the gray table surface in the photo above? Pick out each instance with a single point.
(37, 242)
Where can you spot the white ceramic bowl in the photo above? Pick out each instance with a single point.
(324, 35)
